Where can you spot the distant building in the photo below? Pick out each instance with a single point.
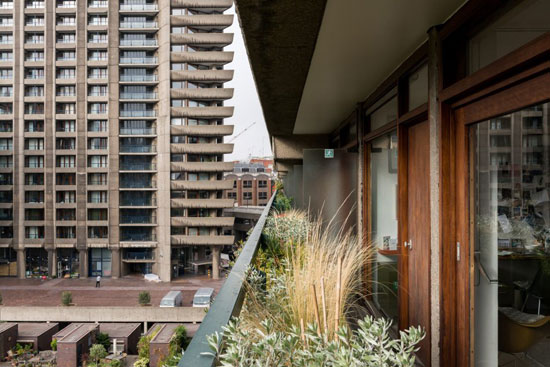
(252, 182)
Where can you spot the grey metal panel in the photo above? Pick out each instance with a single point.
(329, 186)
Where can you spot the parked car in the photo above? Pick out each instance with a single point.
(171, 299)
(203, 297)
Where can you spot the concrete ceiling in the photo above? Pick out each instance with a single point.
(360, 43)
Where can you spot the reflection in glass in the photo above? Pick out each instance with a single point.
(383, 171)
(511, 213)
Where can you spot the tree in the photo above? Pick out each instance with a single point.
(97, 352)
(103, 339)
(53, 344)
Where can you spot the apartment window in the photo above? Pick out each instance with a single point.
(97, 197)
(98, 91)
(97, 108)
(34, 73)
(66, 73)
(247, 195)
(247, 184)
(34, 144)
(66, 55)
(262, 183)
(66, 126)
(66, 20)
(65, 179)
(6, 196)
(97, 20)
(6, 91)
(34, 196)
(97, 37)
(6, 126)
(66, 37)
(65, 214)
(97, 214)
(34, 21)
(97, 3)
(34, 55)
(6, 56)
(65, 108)
(96, 55)
(232, 195)
(6, 4)
(34, 161)
(34, 232)
(65, 197)
(65, 232)
(97, 143)
(66, 91)
(34, 126)
(97, 73)
(97, 179)
(65, 143)
(65, 161)
(5, 162)
(6, 109)
(34, 108)
(34, 4)
(34, 91)
(97, 161)
(34, 179)
(6, 39)
(98, 232)
(262, 195)
(97, 125)
(34, 37)
(66, 3)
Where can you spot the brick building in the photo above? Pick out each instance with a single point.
(252, 182)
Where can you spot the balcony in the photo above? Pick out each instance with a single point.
(202, 240)
(139, 78)
(202, 130)
(139, 60)
(202, 221)
(213, 148)
(200, 4)
(203, 57)
(137, 184)
(139, 7)
(138, 148)
(138, 25)
(150, 95)
(206, 185)
(138, 202)
(202, 112)
(137, 167)
(138, 219)
(218, 21)
(138, 43)
(202, 203)
(212, 94)
(221, 76)
(202, 166)
(202, 39)
(143, 113)
(138, 131)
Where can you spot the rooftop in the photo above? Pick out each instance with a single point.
(6, 325)
(34, 329)
(74, 332)
(118, 330)
(165, 334)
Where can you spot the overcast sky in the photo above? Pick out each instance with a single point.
(254, 141)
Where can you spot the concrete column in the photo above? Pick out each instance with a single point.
(83, 259)
(115, 263)
(52, 263)
(215, 262)
(21, 263)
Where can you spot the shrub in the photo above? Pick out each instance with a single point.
(144, 298)
(141, 362)
(369, 345)
(97, 352)
(143, 347)
(116, 363)
(103, 339)
(66, 298)
(282, 203)
(53, 344)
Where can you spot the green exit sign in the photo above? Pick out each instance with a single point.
(329, 153)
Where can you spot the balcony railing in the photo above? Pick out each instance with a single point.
(146, 113)
(228, 302)
(138, 167)
(150, 24)
(139, 237)
(139, 256)
(137, 131)
(138, 219)
(138, 202)
(139, 7)
(146, 42)
(139, 60)
(127, 95)
(138, 148)
(138, 184)
(137, 78)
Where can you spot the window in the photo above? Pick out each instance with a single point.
(97, 108)
(96, 55)
(97, 125)
(34, 144)
(66, 73)
(34, 108)
(97, 179)
(65, 179)
(65, 161)
(65, 108)
(262, 183)
(97, 143)
(98, 91)
(65, 143)
(34, 55)
(65, 90)
(97, 37)
(97, 161)
(66, 55)
(247, 184)
(34, 91)
(66, 38)
(34, 126)
(97, 73)
(232, 195)
(65, 197)
(34, 161)
(97, 197)
(247, 195)
(262, 195)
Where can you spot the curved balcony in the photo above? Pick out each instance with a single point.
(202, 166)
(202, 112)
(210, 39)
(213, 148)
(202, 75)
(202, 93)
(201, 185)
(202, 203)
(218, 21)
(202, 130)
(202, 240)
(202, 221)
(204, 57)
(222, 4)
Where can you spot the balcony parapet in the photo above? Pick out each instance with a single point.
(222, 4)
(202, 75)
(203, 221)
(202, 130)
(202, 112)
(202, 166)
(203, 93)
(213, 148)
(203, 57)
(202, 203)
(197, 20)
(201, 185)
(211, 39)
(202, 240)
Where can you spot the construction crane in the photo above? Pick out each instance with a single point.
(242, 132)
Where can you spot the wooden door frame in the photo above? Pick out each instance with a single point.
(515, 81)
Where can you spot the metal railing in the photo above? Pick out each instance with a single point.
(138, 148)
(138, 78)
(139, 60)
(138, 219)
(139, 43)
(145, 95)
(138, 167)
(145, 113)
(149, 24)
(137, 131)
(228, 302)
(139, 7)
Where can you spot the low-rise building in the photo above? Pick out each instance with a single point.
(126, 334)
(39, 334)
(73, 342)
(159, 347)
(8, 337)
(252, 182)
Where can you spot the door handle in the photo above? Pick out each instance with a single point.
(408, 244)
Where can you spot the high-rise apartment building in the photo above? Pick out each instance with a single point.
(111, 136)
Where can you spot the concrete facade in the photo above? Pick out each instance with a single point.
(99, 103)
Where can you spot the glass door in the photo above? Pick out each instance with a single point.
(509, 191)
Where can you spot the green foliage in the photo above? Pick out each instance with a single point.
(369, 345)
(103, 339)
(22, 349)
(116, 363)
(144, 298)
(66, 298)
(53, 344)
(178, 343)
(143, 346)
(282, 203)
(142, 362)
(97, 352)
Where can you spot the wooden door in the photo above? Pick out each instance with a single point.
(418, 232)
